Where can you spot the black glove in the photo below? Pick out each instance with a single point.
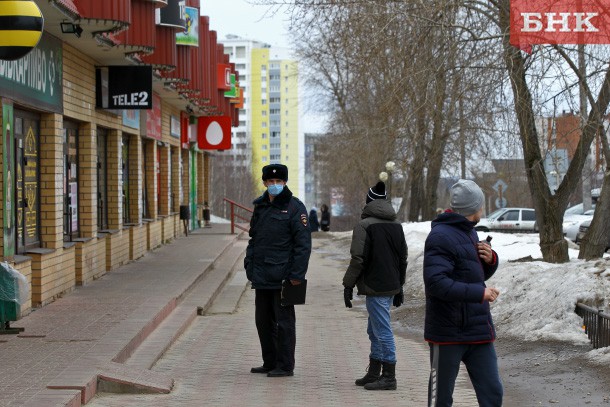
(348, 295)
(399, 298)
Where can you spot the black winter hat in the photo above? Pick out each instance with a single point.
(376, 192)
(275, 171)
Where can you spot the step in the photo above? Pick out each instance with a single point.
(228, 300)
(198, 300)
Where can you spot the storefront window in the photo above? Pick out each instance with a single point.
(27, 139)
(70, 181)
(102, 170)
(145, 147)
(125, 171)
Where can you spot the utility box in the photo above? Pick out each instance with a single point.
(206, 215)
(14, 291)
(185, 213)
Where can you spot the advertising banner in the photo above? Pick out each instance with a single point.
(172, 15)
(8, 175)
(123, 87)
(36, 79)
(190, 35)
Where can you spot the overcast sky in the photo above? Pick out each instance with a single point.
(246, 20)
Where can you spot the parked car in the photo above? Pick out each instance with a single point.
(582, 230)
(572, 223)
(509, 219)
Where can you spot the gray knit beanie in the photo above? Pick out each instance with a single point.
(466, 197)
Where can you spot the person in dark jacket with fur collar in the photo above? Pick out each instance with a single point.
(278, 250)
(378, 268)
(458, 323)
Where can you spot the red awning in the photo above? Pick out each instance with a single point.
(165, 56)
(116, 13)
(67, 7)
(140, 37)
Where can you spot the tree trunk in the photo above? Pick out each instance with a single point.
(417, 166)
(549, 208)
(595, 241)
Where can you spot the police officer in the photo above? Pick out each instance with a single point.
(278, 250)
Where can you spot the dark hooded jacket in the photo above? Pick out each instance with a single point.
(379, 252)
(454, 277)
(280, 241)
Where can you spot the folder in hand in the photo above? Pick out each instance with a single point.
(293, 294)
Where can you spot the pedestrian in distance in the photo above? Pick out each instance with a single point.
(324, 218)
(458, 323)
(378, 268)
(278, 251)
(314, 225)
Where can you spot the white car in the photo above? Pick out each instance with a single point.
(572, 222)
(509, 220)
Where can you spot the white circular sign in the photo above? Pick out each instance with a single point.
(214, 134)
(501, 203)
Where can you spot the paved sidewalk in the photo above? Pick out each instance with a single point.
(66, 343)
(211, 361)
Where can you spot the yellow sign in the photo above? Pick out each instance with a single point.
(21, 25)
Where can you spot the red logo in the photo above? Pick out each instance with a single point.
(214, 133)
(559, 22)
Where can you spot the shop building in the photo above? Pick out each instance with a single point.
(94, 176)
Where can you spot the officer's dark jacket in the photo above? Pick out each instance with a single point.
(280, 241)
(454, 278)
(379, 252)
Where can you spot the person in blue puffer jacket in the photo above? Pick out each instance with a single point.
(278, 251)
(458, 323)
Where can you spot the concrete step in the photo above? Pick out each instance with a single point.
(228, 300)
(135, 334)
(199, 299)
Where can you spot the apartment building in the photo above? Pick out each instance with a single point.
(268, 130)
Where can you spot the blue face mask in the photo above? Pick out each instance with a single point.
(275, 189)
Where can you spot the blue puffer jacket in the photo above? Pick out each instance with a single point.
(454, 278)
(280, 241)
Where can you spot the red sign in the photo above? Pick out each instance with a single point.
(152, 119)
(559, 22)
(214, 133)
(224, 76)
(184, 130)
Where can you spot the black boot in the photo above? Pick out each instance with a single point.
(372, 373)
(387, 381)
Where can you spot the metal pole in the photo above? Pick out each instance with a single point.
(232, 219)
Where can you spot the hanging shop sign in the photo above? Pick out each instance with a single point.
(172, 15)
(214, 133)
(223, 74)
(123, 87)
(174, 126)
(231, 93)
(35, 79)
(190, 35)
(21, 24)
(150, 120)
(185, 130)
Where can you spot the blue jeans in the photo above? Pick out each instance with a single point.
(379, 329)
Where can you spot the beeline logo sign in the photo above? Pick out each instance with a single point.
(559, 22)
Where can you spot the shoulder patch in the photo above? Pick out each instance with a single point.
(304, 219)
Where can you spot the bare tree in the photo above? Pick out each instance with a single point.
(453, 74)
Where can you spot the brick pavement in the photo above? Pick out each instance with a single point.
(69, 341)
(210, 363)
